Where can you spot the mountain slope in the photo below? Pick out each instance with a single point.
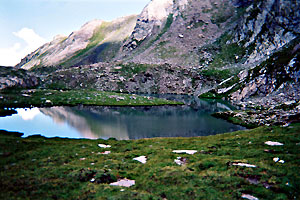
(233, 49)
(95, 41)
(172, 31)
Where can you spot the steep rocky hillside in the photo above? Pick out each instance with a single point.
(172, 31)
(96, 41)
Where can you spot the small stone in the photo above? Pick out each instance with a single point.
(180, 161)
(249, 197)
(104, 153)
(104, 146)
(124, 183)
(191, 152)
(270, 143)
(244, 165)
(141, 159)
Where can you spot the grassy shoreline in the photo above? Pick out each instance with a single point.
(55, 168)
(48, 98)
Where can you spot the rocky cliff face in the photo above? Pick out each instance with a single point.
(95, 41)
(172, 31)
(268, 38)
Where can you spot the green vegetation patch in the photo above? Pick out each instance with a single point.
(222, 12)
(38, 98)
(40, 168)
(129, 69)
(217, 74)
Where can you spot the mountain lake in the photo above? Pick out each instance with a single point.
(123, 123)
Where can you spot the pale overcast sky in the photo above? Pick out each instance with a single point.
(27, 24)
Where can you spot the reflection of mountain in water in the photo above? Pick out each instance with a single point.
(87, 127)
(145, 122)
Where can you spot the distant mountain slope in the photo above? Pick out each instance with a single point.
(96, 41)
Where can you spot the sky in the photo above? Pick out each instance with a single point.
(25, 25)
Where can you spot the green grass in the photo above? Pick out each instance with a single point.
(217, 74)
(129, 69)
(42, 168)
(37, 98)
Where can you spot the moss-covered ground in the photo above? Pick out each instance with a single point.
(40, 98)
(56, 168)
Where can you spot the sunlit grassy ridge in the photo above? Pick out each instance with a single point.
(41, 168)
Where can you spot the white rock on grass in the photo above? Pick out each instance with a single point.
(270, 143)
(249, 197)
(105, 152)
(278, 160)
(104, 146)
(191, 152)
(124, 183)
(243, 165)
(179, 161)
(141, 159)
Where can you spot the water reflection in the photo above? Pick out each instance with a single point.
(123, 123)
(28, 114)
(89, 126)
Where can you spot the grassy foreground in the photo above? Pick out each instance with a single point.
(56, 168)
(46, 97)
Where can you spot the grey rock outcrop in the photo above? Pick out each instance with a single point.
(16, 78)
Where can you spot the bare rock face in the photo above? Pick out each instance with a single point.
(170, 31)
(154, 15)
(268, 26)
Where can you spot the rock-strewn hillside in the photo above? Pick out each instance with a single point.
(16, 78)
(172, 31)
(96, 41)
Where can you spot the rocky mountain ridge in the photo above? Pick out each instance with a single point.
(232, 49)
(91, 43)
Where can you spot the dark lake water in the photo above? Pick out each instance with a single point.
(123, 123)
